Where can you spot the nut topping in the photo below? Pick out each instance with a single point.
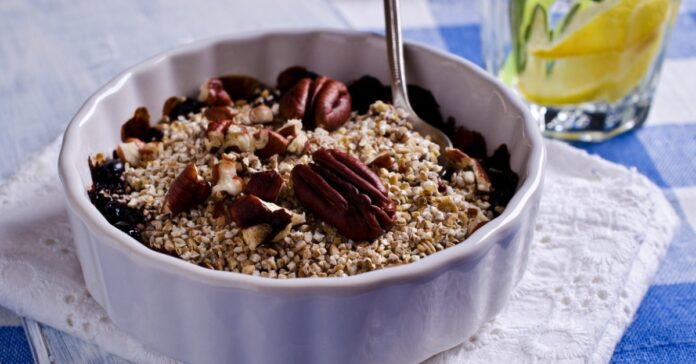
(321, 102)
(272, 143)
(256, 235)
(134, 151)
(382, 160)
(225, 179)
(150, 150)
(261, 114)
(130, 151)
(461, 161)
(216, 132)
(139, 127)
(187, 191)
(299, 144)
(238, 137)
(249, 211)
(291, 128)
(213, 94)
(345, 193)
(220, 113)
(373, 186)
(266, 185)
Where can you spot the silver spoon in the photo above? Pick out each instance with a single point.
(395, 54)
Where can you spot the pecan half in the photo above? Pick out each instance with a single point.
(187, 191)
(345, 193)
(139, 127)
(321, 102)
(266, 185)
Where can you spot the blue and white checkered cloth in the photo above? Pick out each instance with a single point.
(664, 329)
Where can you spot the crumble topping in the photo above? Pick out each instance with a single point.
(434, 207)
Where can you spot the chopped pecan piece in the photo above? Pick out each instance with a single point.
(321, 102)
(461, 161)
(225, 179)
(291, 128)
(216, 132)
(261, 114)
(266, 185)
(134, 151)
(238, 138)
(345, 193)
(213, 94)
(139, 127)
(249, 211)
(299, 144)
(270, 143)
(130, 151)
(187, 191)
(256, 235)
(220, 119)
(298, 140)
(382, 160)
(219, 113)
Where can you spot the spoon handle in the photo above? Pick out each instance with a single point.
(395, 52)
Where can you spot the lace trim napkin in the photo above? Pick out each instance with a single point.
(601, 233)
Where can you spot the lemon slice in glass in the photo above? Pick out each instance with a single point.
(600, 52)
(610, 25)
(606, 76)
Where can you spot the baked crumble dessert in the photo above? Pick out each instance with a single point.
(309, 178)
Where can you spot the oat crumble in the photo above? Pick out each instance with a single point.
(432, 213)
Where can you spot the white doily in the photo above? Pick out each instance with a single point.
(601, 233)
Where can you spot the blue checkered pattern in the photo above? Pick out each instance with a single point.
(664, 330)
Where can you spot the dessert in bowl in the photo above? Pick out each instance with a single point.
(403, 207)
(296, 180)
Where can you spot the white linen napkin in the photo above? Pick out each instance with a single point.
(601, 232)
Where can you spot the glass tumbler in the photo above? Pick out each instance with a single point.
(587, 68)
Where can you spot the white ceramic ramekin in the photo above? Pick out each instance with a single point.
(394, 315)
